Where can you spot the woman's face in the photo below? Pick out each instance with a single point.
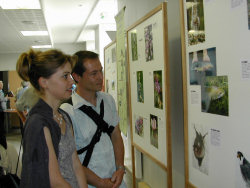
(59, 85)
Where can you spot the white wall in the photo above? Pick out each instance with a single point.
(8, 61)
(102, 39)
(152, 173)
(70, 48)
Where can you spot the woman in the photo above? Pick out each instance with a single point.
(49, 154)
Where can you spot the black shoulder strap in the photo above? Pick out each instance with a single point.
(102, 127)
(98, 119)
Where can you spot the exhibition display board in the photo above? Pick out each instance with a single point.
(216, 79)
(110, 70)
(121, 71)
(148, 73)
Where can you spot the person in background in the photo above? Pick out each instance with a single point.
(105, 167)
(21, 90)
(49, 154)
(29, 98)
(3, 101)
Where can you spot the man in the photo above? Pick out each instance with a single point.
(28, 99)
(106, 164)
(3, 107)
(22, 89)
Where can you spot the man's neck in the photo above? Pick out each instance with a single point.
(87, 95)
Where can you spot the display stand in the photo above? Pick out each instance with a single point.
(216, 61)
(148, 70)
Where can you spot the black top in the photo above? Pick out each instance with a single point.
(35, 163)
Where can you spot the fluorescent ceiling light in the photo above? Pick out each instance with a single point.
(42, 46)
(20, 4)
(35, 33)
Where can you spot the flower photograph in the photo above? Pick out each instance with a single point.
(148, 34)
(139, 126)
(154, 130)
(140, 92)
(158, 102)
(134, 46)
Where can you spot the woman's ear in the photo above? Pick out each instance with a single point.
(42, 82)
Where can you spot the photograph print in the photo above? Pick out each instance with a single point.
(113, 52)
(107, 86)
(242, 172)
(195, 21)
(248, 11)
(113, 84)
(139, 128)
(134, 46)
(140, 92)
(154, 130)
(158, 98)
(202, 63)
(214, 95)
(200, 148)
(148, 34)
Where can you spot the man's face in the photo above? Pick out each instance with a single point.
(92, 78)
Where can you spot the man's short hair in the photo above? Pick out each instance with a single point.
(82, 56)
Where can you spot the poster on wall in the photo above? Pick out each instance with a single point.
(195, 21)
(242, 169)
(121, 72)
(200, 153)
(149, 77)
(214, 95)
(202, 63)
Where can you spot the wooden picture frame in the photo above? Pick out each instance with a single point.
(149, 91)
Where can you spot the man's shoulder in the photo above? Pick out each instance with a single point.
(67, 107)
(105, 96)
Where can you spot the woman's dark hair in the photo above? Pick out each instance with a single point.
(32, 65)
(81, 57)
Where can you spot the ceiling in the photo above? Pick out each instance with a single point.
(66, 21)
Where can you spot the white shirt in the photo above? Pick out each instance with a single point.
(102, 161)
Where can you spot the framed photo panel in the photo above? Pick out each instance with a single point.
(110, 70)
(216, 80)
(148, 73)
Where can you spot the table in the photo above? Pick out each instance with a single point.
(11, 118)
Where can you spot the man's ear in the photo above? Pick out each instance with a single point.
(42, 82)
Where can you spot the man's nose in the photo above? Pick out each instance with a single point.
(100, 75)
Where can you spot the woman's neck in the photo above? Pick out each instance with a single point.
(54, 104)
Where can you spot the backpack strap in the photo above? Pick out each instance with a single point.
(102, 127)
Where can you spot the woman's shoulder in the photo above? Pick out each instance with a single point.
(35, 123)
